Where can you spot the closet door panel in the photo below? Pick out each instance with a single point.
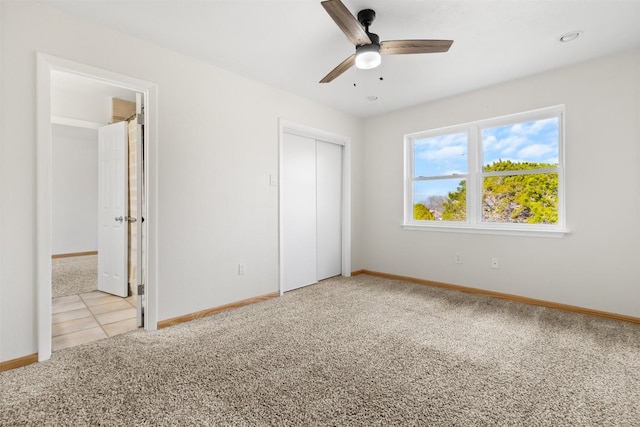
(329, 209)
(298, 192)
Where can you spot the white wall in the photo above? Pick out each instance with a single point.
(218, 144)
(596, 266)
(3, 318)
(80, 105)
(74, 153)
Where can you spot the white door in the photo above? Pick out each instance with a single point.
(311, 192)
(112, 209)
(298, 194)
(329, 209)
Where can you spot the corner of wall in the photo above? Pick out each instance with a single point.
(2, 39)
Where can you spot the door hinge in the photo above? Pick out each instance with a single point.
(140, 289)
(140, 118)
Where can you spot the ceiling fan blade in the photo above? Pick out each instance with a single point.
(347, 22)
(402, 47)
(344, 66)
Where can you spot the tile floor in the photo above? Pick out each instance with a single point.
(78, 319)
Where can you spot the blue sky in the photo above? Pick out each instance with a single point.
(445, 155)
(532, 141)
(439, 156)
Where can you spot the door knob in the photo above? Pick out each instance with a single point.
(119, 218)
(130, 218)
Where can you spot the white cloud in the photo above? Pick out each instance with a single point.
(454, 172)
(506, 145)
(442, 141)
(490, 142)
(521, 140)
(539, 125)
(444, 153)
(535, 151)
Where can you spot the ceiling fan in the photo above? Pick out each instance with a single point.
(368, 45)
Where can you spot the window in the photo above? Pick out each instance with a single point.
(500, 175)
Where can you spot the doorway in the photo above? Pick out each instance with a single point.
(315, 240)
(92, 296)
(46, 66)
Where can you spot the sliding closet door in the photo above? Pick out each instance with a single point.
(298, 192)
(329, 209)
(311, 192)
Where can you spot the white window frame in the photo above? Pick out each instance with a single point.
(475, 175)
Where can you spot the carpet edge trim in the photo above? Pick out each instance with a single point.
(504, 296)
(209, 311)
(74, 254)
(19, 362)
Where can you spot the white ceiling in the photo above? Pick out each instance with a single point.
(293, 44)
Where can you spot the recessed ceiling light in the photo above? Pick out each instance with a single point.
(570, 36)
(372, 98)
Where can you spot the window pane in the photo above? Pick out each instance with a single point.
(530, 199)
(521, 146)
(440, 199)
(444, 155)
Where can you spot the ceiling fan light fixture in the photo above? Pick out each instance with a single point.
(368, 56)
(368, 45)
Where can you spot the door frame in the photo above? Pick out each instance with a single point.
(45, 65)
(286, 126)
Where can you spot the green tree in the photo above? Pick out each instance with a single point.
(531, 199)
(455, 207)
(422, 213)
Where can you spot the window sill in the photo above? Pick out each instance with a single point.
(553, 232)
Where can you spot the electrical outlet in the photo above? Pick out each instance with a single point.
(458, 258)
(494, 262)
(241, 269)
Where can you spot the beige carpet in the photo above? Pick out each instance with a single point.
(362, 351)
(74, 275)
